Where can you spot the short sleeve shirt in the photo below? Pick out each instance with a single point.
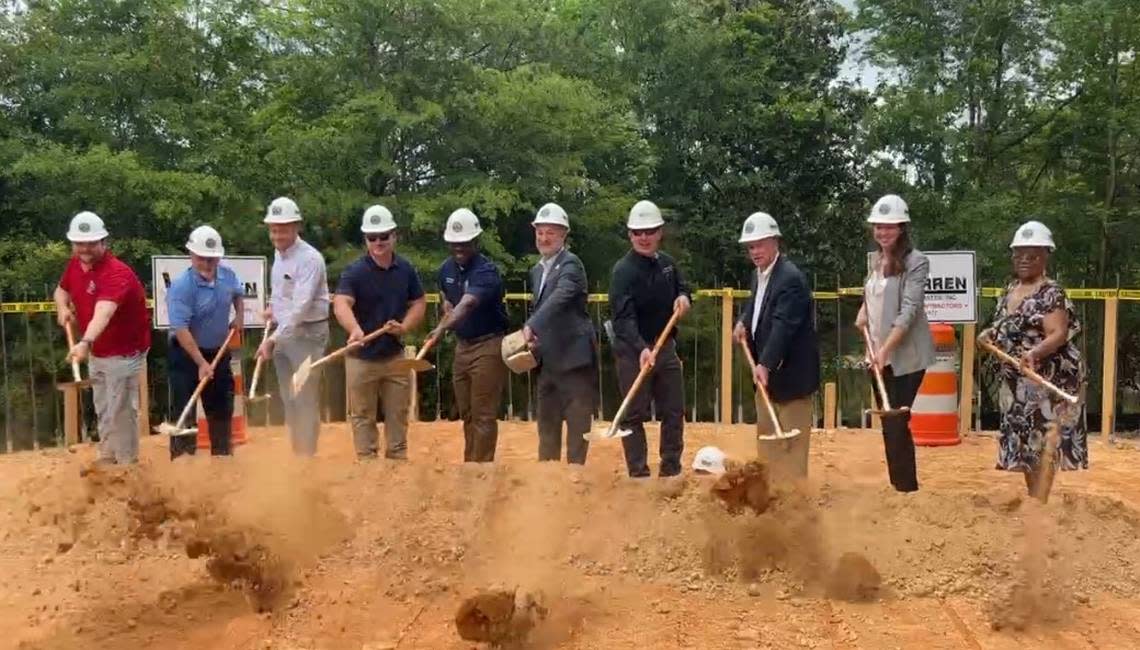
(203, 306)
(481, 279)
(380, 295)
(128, 332)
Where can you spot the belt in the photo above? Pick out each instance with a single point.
(480, 339)
(315, 322)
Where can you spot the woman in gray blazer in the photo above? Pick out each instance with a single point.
(894, 311)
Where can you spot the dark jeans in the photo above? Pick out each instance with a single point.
(565, 396)
(897, 441)
(217, 401)
(664, 386)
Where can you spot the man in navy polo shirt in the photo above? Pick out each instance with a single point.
(473, 308)
(377, 289)
(199, 303)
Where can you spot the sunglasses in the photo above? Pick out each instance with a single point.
(383, 237)
(645, 233)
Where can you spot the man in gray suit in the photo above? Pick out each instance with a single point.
(561, 335)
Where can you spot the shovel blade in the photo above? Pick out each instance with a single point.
(417, 365)
(302, 375)
(168, 429)
(612, 431)
(786, 455)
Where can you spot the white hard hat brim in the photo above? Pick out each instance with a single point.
(205, 252)
(656, 223)
(87, 237)
(282, 219)
(758, 237)
(461, 238)
(377, 230)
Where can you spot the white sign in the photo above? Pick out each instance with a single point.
(951, 286)
(250, 271)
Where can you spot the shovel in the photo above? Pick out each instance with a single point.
(177, 428)
(253, 396)
(1028, 372)
(307, 366)
(612, 430)
(418, 364)
(786, 453)
(886, 402)
(77, 380)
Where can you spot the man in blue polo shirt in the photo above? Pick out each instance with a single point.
(199, 303)
(379, 288)
(473, 308)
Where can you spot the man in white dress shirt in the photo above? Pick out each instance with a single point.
(300, 306)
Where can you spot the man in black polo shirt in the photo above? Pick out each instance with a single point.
(473, 308)
(645, 289)
(377, 289)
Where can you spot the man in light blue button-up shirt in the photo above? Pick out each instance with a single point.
(300, 306)
(199, 303)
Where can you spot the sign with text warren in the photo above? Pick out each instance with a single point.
(951, 286)
(249, 269)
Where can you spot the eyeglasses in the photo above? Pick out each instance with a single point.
(645, 233)
(382, 237)
(1024, 254)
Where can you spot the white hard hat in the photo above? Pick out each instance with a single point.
(377, 219)
(644, 216)
(890, 209)
(282, 210)
(709, 459)
(552, 213)
(86, 227)
(1033, 233)
(462, 226)
(205, 242)
(758, 225)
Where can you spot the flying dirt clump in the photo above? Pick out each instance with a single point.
(744, 486)
(501, 617)
(854, 579)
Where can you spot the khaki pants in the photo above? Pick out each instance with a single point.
(478, 375)
(368, 380)
(115, 388)
(793, 454)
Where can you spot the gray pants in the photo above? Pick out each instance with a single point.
(302, 410)
(115, 388)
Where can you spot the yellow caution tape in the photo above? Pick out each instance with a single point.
(1129, 294)
(1091, 294)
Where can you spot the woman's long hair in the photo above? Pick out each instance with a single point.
(894, 262)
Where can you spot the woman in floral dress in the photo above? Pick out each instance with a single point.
(1035, 322)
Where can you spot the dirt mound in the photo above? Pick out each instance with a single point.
(499, 616)
(744, 486)
(854, 579)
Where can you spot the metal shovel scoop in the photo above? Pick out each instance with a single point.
(178, 429)
(419, 363)
(786, 452)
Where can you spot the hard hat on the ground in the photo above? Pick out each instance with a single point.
(517, 355)
(644, 215)
(86, 227)
(709, 459)
(552, 213)
(282, 210)
(890, 209)
(377, 220)
(205, 242)
(1033, 233)
(462, 226)
(758, 225)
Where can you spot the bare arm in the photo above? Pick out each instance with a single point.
(190, 346)
(104, 310)
(1056, 325)
(415, 316)
(456, 314)
(342, 309)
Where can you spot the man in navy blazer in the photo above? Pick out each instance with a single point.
(562, 338)
(776, 324)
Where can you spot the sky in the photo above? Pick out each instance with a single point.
(863, 74)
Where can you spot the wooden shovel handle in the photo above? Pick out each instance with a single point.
(260, 361)
(762, 389)
(336, 353)
(205, 380)
(427, 346)
(661, 338)
(874, 355)
(71, 344)
(1028, 372)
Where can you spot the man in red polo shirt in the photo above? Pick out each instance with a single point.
(107, 300)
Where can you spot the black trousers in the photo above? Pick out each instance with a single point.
(217, 401)
(565, 397)
(897, 440)
(664, 387)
